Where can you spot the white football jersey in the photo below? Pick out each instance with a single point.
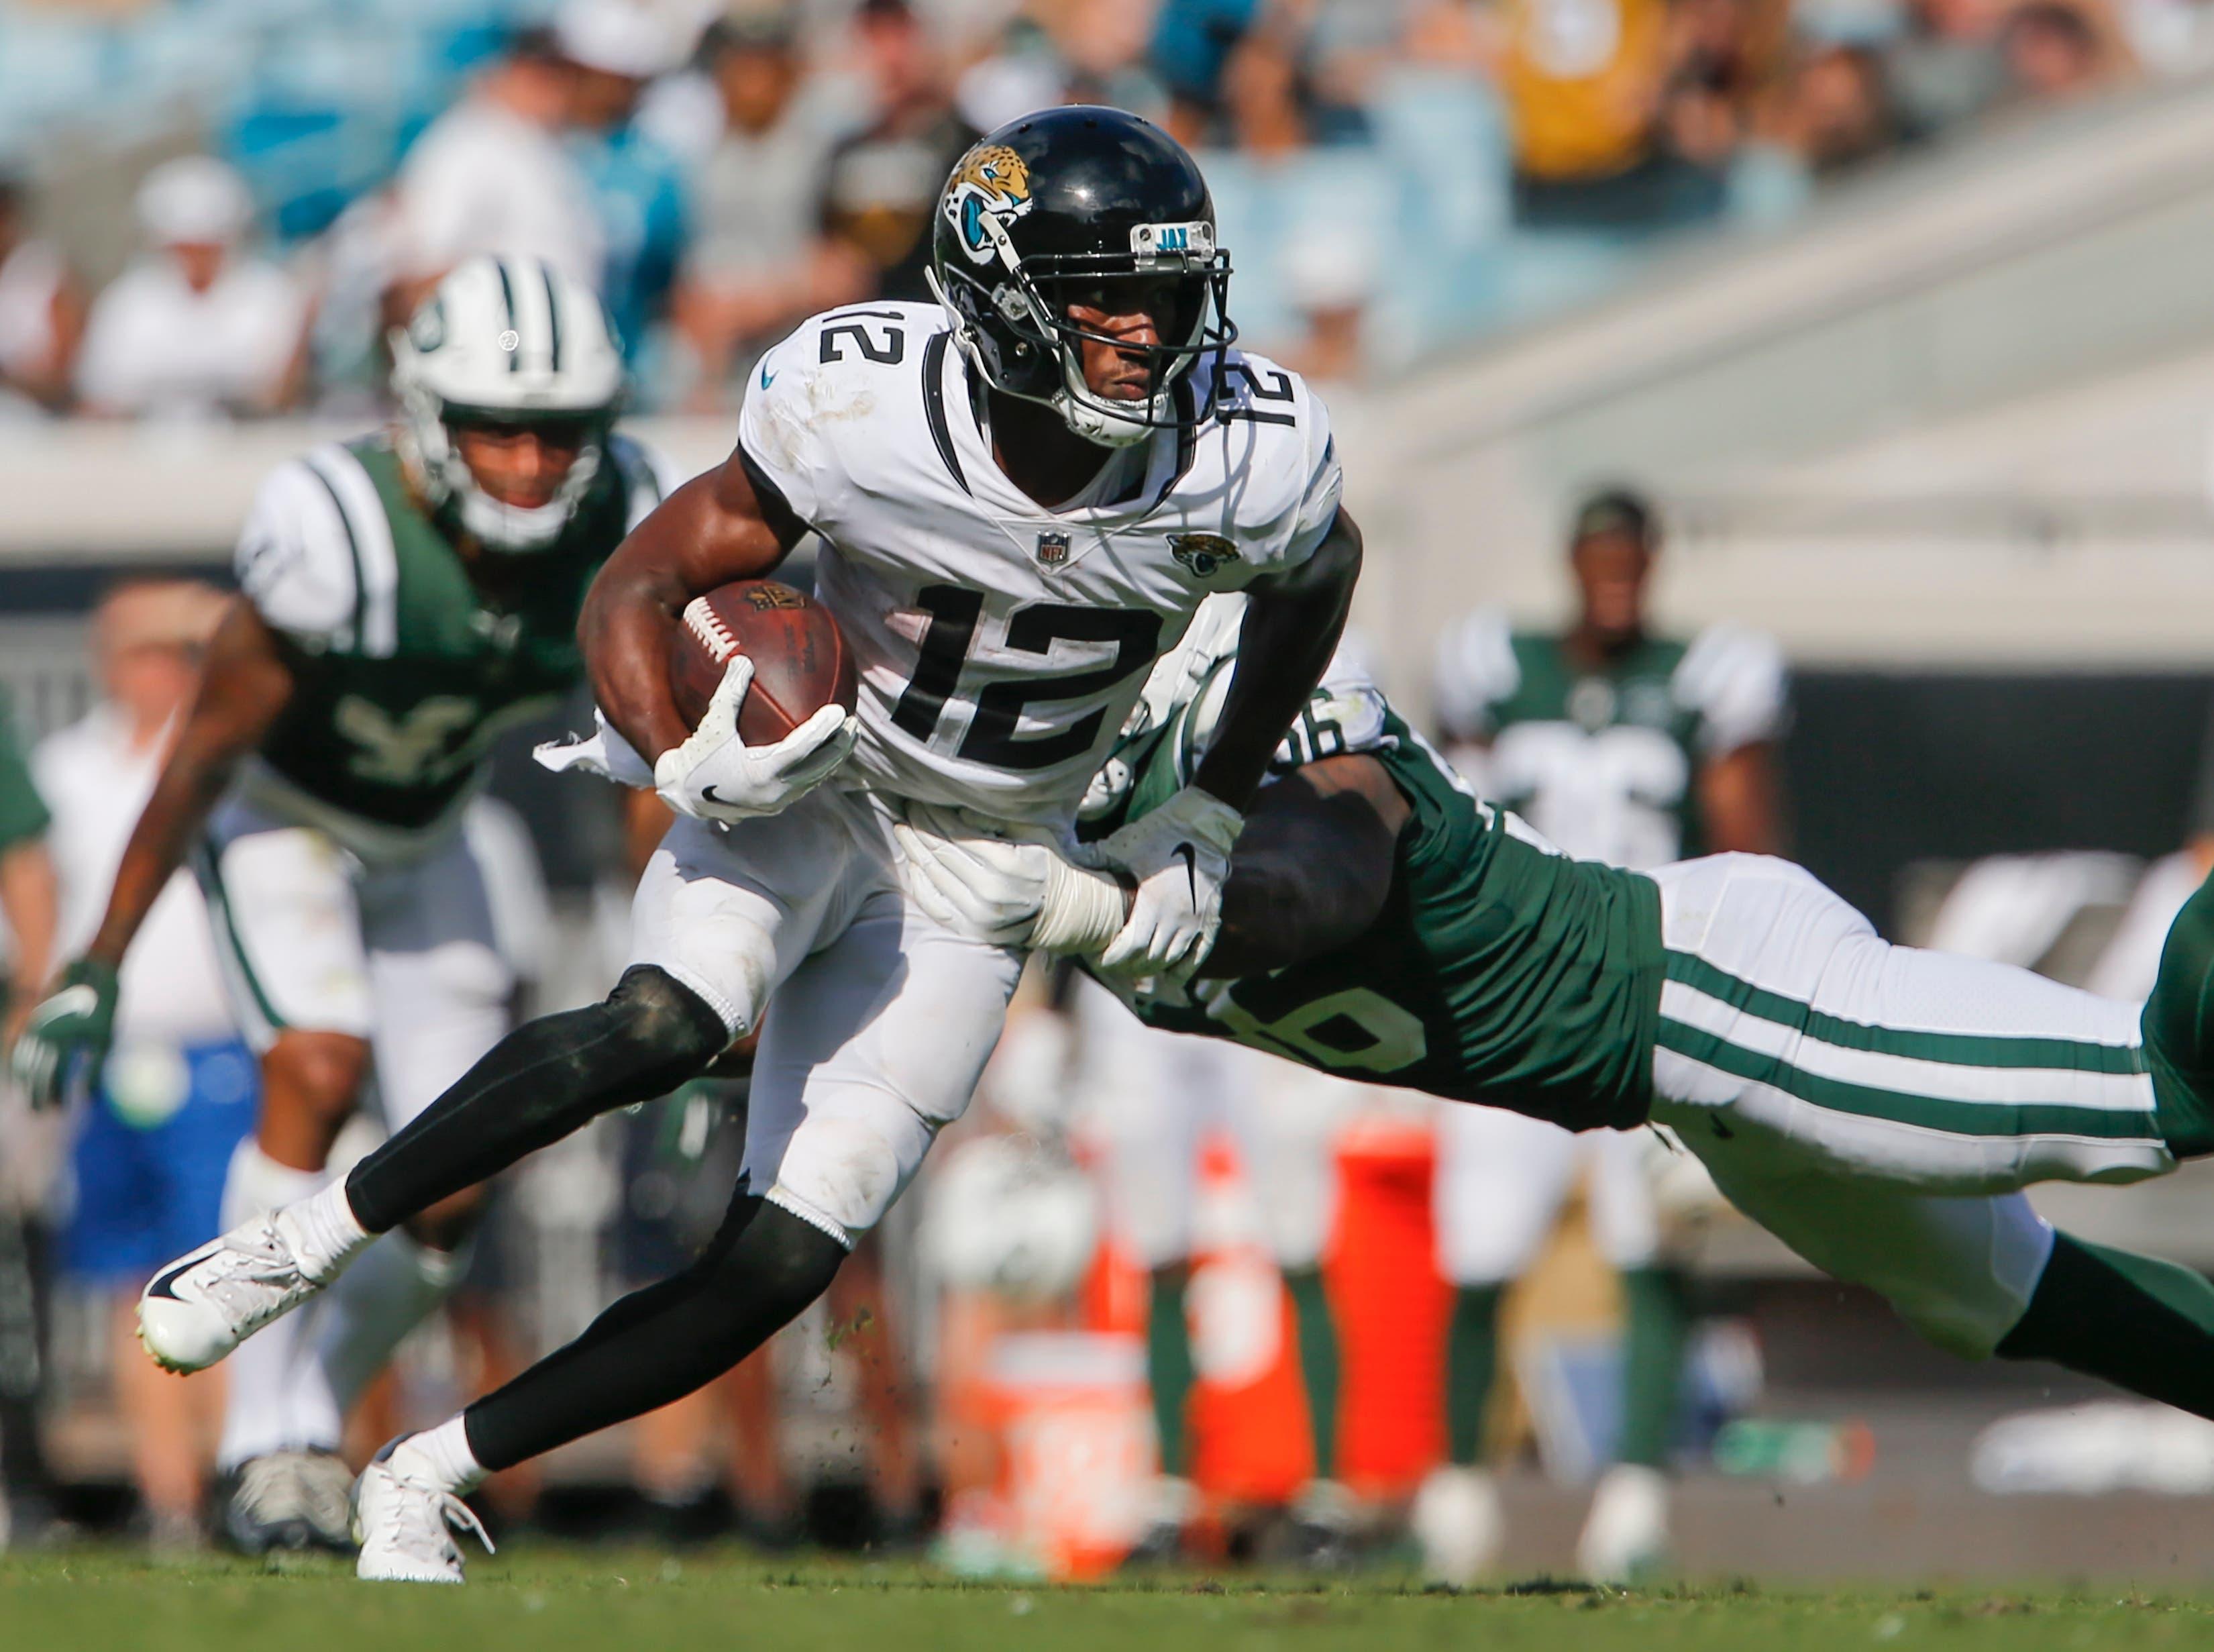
(1001, 644)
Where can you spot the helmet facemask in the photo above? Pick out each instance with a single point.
(1011, 315)
(431, 448)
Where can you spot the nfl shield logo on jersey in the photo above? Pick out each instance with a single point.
(1052, 548)
(1201, 553)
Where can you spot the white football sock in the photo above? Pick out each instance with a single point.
(396, 1286)
(324, 1232)
(440, 1456)
(269, 1407)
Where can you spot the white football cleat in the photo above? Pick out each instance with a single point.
(208, 1301)
(405, 1526)
(1458, 1522)
(1625, 1536)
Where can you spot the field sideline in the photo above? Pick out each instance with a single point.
(552, 1598)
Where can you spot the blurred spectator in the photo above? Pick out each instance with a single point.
(1192, 44)
(758, 262)
(492, 174)
(1832, 114)
(1101, 46)
(1023, 73)
(198, 327)
(751, 69)
(883, 182)
(2052, 53)
(1585, 81)
(1835, 115)
(176, 1096)
(1946, 68)
(1715, 73)
(42, 311)
(613, 49)
(1304, 225)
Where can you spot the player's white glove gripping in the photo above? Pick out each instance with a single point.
(716, 776)
(1179, 856)
(1010, 892)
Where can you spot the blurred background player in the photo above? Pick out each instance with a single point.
(1153, 1098)
(1619, 745)
(176, 1096)
(407, 595)
(30, 907)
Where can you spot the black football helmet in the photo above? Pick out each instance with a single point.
(1063, 207)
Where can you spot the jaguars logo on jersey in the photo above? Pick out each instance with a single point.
(1202, 554)
(989, 190)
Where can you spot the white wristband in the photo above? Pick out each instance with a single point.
(1082, 910)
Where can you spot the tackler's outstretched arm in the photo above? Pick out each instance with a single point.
(1312, 868)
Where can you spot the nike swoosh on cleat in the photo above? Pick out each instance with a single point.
(161, 1283)
(1191, 868)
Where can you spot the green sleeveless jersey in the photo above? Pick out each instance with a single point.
(406, 671)
(1603, 760)
(1500, 970)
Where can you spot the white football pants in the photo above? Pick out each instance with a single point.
(883, 1019)
(404, 954)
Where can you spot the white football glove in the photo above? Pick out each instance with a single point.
(1012, 892)
(1179, 857)
(716, 776)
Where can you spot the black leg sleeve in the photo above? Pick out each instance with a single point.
(660, 1343)
(545, 1078)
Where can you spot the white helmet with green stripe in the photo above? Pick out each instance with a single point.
(505, 343)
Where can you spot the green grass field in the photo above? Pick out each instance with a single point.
(551, 1598)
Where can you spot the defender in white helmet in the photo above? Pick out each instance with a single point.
(406, 596)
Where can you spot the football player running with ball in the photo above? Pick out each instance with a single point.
(1024, 494)
(1878, 1108)
(406, 596)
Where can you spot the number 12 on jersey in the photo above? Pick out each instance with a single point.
(956, 612)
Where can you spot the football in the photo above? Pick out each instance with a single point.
(801, 662)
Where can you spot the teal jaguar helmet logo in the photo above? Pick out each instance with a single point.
(1202, 554)
(989, 190)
